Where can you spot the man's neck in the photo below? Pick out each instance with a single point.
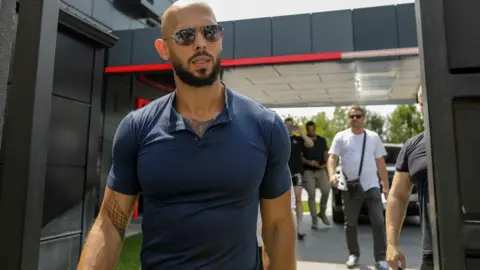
(200, 103)
(357, 131)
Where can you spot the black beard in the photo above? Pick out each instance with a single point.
(190, 79)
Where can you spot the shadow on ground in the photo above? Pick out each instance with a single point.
(327, 245)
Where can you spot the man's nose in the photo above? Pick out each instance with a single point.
(200, 42)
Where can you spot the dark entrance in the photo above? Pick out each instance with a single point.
(50, 181)
(71, 184)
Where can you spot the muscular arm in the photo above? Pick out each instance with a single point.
(397, 206)
(382, 171)
(104, 241)
(332, 164)
(278, 232)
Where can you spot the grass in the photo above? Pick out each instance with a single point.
(130, 254)
(306, 209)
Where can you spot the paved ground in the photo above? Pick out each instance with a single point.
(325, 249)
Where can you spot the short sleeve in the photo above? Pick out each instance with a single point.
(379, 148)
(336, 145)
(122, 177)
(276, 180)
(402, 159)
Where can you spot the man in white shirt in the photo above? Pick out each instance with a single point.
(362, 183)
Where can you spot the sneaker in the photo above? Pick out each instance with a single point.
(382, 265)
(352, 261)
(300, 236)
(324, 218)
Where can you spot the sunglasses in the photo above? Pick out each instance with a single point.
(355, 116)
(187, 36)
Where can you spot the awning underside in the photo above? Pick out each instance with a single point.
(340, 83)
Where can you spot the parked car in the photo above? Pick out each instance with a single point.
(390, 159)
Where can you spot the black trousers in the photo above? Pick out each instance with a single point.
(260, 249)
(427, 262)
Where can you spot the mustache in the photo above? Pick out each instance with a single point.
(200, 53)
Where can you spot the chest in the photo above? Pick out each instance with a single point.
(352, 146)
(181, 166)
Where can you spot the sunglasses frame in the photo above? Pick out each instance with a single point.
(195, 30)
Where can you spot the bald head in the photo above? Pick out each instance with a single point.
(182, 12)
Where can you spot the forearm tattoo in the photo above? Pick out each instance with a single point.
(200, 126)
(116, 215)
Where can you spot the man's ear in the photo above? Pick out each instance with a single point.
(162, 49)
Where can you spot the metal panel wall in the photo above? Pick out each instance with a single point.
(291, 35)
(228, 39)
(106, 14)
(121, 53)
(384, 27)
(247, 31)
(332, 31)
(143, 48)
(407, 27)
(375, 28)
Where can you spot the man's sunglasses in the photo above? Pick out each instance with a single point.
(355, 116)
(186, 36)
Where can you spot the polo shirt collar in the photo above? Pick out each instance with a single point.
(177, 123)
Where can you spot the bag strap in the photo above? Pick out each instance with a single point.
(363, 154)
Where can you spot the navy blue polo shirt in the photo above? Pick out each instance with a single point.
(201, 195)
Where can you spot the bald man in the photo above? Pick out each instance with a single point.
(204, 157)
(411, 169)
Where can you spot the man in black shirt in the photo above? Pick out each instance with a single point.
(298, 142)
(315, 162)
(411, 169)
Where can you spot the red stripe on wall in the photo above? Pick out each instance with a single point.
(271, 60)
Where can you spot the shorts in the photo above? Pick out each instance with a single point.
(297, 180)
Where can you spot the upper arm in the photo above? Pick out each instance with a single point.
(118, 208)
(402, 184)
(122, 177)
(276, 180)
(380, 151)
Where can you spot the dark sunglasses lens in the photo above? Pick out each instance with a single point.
(185, 37)
(355, 116)
(211, 32)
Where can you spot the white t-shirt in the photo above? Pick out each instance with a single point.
(348, 146)
(259, 229)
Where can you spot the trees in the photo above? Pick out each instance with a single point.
(403, 123)
(375, 122)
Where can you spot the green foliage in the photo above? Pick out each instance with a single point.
(404, 122)
(376, 122)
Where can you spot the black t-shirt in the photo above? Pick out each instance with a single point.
(412, 159)
(317, 152)
(295, 162)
